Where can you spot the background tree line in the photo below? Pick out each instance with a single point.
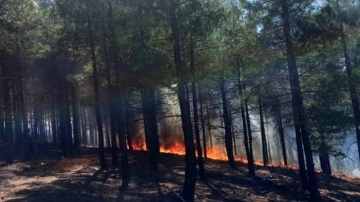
(103, 73)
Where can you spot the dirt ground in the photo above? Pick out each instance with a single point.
(51, 178)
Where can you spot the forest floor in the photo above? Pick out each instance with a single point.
(49, 177)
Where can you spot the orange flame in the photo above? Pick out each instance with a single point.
(214, 153)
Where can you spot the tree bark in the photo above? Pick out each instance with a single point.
(249, 131)
(75, 117)
(324, 156)
(227, 124)
(17, 116)
(110, 98)
(120, 115)
(195, 113)
(53, 119)
(249, 156)
(351, 83)
(297, 103)
(62, 117)
(96, 89)
(2, 121)
(263, 135)
(188, 190)
(9, 131)
(301, 159)
(202, 119)
(129, 125)
(281, 132)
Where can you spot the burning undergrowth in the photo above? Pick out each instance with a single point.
(174, 144)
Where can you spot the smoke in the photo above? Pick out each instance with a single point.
(356, 173)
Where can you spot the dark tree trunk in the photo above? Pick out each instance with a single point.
(281, 132)
(119, 99)
(301, 160)
(249, 131)
(96, 90)
(9, 131)
(263, 135)
(42, 128)
(53, 119)
(107, 132)
(84, 127)
(110, 94)
(188, 190)
(129, 125)
(145, 110)
(153, 129)
(2, 121)
(75, 116)
(120, 115)
(17, 117)
(69, 138)
(195, 114)
(227, 123)
(114, 146)
(21, 110)
(22, 106)
(202, 119)
(297, 103)
(351, 79)
(324, 156)
(62, 118)
(233, 131)
(249, 156)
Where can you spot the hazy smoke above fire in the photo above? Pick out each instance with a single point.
(171, 139)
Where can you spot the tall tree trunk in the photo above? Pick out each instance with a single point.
(107, 132)
(188, 190)
(301, 159)
(129, 125)
(84, 127)
(145, 111)
(249, 156)
(75, 116)
(249, 131)
(263, 135)
(17, 117)
(202, 119)
(69, 138)
(110, 98)
(195, 113)
(36, 114)
(151, 127)
(297, 102)
(233, 131)
(324, 156)
(114, 146)
(62, 118)
(19, 86)
(227, 123)
(209, 124)
(96, 89)
(120, 115)
(351, 78)
(119, 99)
(53, 119)
(281, 132)
(9, 131)
(2, 121)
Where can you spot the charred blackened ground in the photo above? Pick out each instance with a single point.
(78, 178)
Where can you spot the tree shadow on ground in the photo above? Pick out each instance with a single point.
(79, 179)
